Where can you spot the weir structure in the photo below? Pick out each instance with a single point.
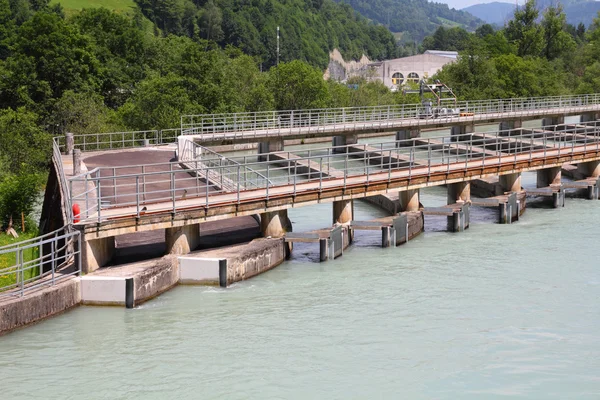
(199, 184)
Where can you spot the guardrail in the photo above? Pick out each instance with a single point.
(39, 262)
(316, 120)
(131, 190)
(119, 140)
(196, 157)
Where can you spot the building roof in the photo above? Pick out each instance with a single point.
(449, 54)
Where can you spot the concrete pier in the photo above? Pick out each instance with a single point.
(510, 182)
(275, 224)
(409, 200)
(589, 169)
(460, 191)
(269, 147)
(343, 141)
(97, 253)
(182, 239)
(549, 121)
(508, 125)
(406, 134)
(343, 212)
(591, 116)
(548, 177)
(461, 132)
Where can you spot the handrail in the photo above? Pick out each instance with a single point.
(320, 118)
(42, 261)
(115, 191)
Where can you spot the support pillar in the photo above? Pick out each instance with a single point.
(589, 169)
(589, 117)
(551, 121)
(97, 253)
(460, 191)
(461, 132)
(182, 239)
(76, 162)
(343, 212)
(409, 200)
(275, 223)
(69, 143)
(406, 134)
(510, 182)
(508, 125)
(343, 141)
(269, 147)
(548, 177)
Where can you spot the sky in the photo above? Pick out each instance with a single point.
(458, 4)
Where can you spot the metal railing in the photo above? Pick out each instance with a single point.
(119, 140)
(40, 262)
(134, 191)
(323, 121)
(196, 157)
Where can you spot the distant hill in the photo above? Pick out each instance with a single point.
(498, 12)
(492, 13)
(414, 18)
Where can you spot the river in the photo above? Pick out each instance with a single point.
(496, 311)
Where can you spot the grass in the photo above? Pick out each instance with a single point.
(71, 6)
(9, 260)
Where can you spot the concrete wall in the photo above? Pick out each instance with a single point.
(260, 256)
(37, 306)
(103, 290)
(199, 271)
(153, 281)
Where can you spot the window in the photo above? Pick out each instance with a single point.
(397, 79)
(413, 77)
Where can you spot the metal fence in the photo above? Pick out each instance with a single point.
(133, 191)
(376, 117)
(119, 140)
(36, 263)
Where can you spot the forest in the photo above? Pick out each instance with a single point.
(102, 71)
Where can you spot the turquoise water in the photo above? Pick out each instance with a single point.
(498, 311)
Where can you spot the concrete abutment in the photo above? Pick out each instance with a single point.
(97, 253)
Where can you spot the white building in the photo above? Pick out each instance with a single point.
(397, 72)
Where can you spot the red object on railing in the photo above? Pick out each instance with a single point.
(76, 212)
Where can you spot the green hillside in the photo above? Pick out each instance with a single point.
(309, 29)
(418, 18)
(114, 5)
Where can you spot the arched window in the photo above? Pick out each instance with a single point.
(397, 79)
(413, 77)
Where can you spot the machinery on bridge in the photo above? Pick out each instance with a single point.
(437, 100)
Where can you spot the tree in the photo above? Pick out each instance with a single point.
(18, 196)
(297, 85)
(556, 40)
(524, 31)
(26, 146)
(210, 19)
(51, 56)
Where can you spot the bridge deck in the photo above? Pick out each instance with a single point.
(225, 205)
(378, 125)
